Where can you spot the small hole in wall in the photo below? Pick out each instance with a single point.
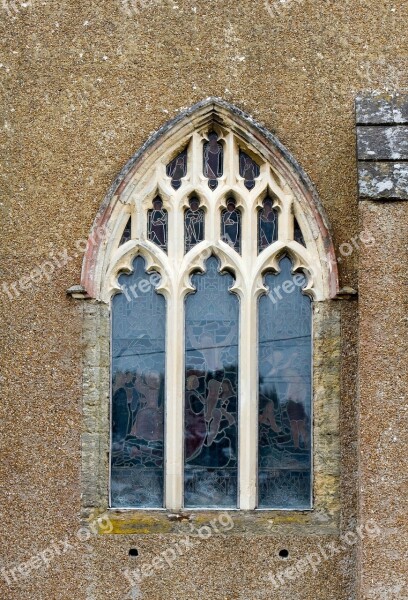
(284, 553)
(133, 552)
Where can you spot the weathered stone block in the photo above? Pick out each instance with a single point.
(382, 107)
(382, 143)
(387, 180)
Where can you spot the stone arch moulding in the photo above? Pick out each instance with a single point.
(139, 173)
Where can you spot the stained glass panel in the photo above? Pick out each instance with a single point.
(267, 225)
(285, 364)
(127, 232)
(211, 391)
(248, 169)
(193, 224)
(231, 225)
(298, 235)
(177, 168)
(213, 160)
(157, 224)
(138, 368)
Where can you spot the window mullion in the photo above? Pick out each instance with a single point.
(174, 405)
(174, 420)
(248, 422)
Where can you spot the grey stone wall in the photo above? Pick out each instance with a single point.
(382, 146)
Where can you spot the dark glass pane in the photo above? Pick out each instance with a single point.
(177, 168)
(127, 232)
(298, 235)
(138, 346)
(248, 169)
(267, 225)
(193, 224)
(211, 391)
(285, 365)
(213, 163)
(231, 226)
(157, 224)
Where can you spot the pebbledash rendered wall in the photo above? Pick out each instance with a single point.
(83, 86)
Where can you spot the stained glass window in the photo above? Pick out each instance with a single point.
(284, 456)
(267, 225)
(211, 391)
(177, 168)
(226, 214)
(138, 367)
(248, 169)
(127, 232)
(193, 224)
(157, 224)
(231, 225)
(298, 235)
(213, 160)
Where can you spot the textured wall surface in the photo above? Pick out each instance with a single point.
(383, 385)
(83, 85)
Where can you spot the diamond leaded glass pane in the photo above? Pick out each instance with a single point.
(193, 224)
(211, 391)
(138, 367)
(285, 364)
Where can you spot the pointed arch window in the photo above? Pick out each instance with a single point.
(138, 383)
(211, 391)
(285, 388)
(211, 292)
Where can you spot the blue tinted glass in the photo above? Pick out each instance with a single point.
(177, 168)
(248, 169)
(285, 364)
(157, 224)
(138, 360)
(231, 226)
(213, 160)
(193, 225)
(267, 225)
(211, 391)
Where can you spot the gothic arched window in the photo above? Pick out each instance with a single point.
(213, 261)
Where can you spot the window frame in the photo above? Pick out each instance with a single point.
(99, 277)
(247, 267)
